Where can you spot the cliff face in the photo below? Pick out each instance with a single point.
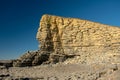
(71, 40)
(89, 41)
(90, 50)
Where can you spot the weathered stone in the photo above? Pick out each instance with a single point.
(55, 58)
(91, 42)
(6, 63)
(26, 59)
(71, 40)
(41, 58)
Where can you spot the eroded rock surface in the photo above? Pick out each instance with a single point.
(74, 49)
(71, 40)
(6, 63)
(88, 41)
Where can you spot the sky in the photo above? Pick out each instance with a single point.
(19, 20)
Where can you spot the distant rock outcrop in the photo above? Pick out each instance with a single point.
(71, 40)
(6, 63)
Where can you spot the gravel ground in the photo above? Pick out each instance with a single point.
(62, 72)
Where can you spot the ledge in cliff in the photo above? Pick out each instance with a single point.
(71, 40)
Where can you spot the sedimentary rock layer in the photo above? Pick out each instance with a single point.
(71, 40)
(90, 42)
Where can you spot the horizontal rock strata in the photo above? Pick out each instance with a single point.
(6, 63)
(71, 40)
(89, 41)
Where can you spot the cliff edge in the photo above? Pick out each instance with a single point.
(71, 40)
(69, 49)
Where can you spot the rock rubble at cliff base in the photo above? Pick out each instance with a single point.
(69, 49)
(71, 40)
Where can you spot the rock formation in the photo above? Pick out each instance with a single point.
(71, 40)
(73, 49)
(6, 63)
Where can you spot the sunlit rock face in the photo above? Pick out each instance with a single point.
(70, 49)
(89, 42)
(71, 40)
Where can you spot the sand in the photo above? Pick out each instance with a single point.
(62, 72)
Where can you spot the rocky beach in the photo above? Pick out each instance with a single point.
(69, 49)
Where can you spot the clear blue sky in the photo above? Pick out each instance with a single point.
(19, 20)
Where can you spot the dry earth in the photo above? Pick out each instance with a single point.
(62, 72)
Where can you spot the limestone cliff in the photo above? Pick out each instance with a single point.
(90, 41)
(71, 40)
